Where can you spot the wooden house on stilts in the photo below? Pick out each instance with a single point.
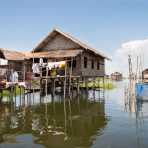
(81, 61)
(10, 59)
(58, 46)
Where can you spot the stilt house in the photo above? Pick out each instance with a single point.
(15, 61)
(117, 76)
(58, 46)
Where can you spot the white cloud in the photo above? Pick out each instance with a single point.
(120, 56)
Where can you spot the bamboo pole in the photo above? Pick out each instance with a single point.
(54, 87)
(94, 88)
(20, 96)
(70, 77)
(78, 87)
(65, 80)
(46, 81)
(24, 71)
(65, 114)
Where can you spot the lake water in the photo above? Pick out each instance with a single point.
(88, 121)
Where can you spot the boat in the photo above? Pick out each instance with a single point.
(142, 87)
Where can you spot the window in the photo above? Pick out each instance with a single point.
(85, 62)
(36, 60)
(69, 63)
(45, 60)
(98, 65)
(92, 64)
(74, 63)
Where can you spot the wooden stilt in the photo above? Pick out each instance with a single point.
(20, 96)
(103, 86)
(53, 87)
(78, 87)
(70, 76)
(65, 81)
(94, 88)
(99, 89)
(23, 98)
(86, 81)
(15, 93)
(69, 103)
(1, 96)
(78, 97)
(46, 88)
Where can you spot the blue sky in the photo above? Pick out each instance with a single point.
(105, 24)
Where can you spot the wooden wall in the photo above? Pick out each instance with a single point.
(89, 71)
(60, 42)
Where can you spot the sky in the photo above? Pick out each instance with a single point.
(107, 25)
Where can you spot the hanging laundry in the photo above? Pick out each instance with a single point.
(56, 64)
(14, 76)
(41, 61)
(36, 68)
(3, 62)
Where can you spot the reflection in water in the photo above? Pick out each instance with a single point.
(88, 121)
(35, 123)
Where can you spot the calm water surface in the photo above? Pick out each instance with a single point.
(88, 122)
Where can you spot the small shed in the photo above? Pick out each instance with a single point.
(15, 60)
(117, 76)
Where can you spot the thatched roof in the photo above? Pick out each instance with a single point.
(11, 55)
(53, 54)
(52, 34)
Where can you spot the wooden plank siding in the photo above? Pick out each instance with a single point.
(89, 71)
(57, 41)
(60, 42)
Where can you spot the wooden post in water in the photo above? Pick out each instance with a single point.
(53, 90)
(78, 87)
(15, 93)
(94, 88)
(65, 114)
(20, 96)
(65, 81)
(1, 91)
(86, 80)
(46, 87)
(23, 98)
(70, 76)
(99, 88)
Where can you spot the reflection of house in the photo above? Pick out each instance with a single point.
(116, 76)
(145, 75)
(85, 120)
(58, 46)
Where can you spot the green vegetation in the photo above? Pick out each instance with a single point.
(98, 84)
(15, 91)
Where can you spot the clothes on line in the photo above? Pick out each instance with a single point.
(41, 61)
(36, 68)
(3, 61)
(14, 77)
(53, 68)
(56, 64)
